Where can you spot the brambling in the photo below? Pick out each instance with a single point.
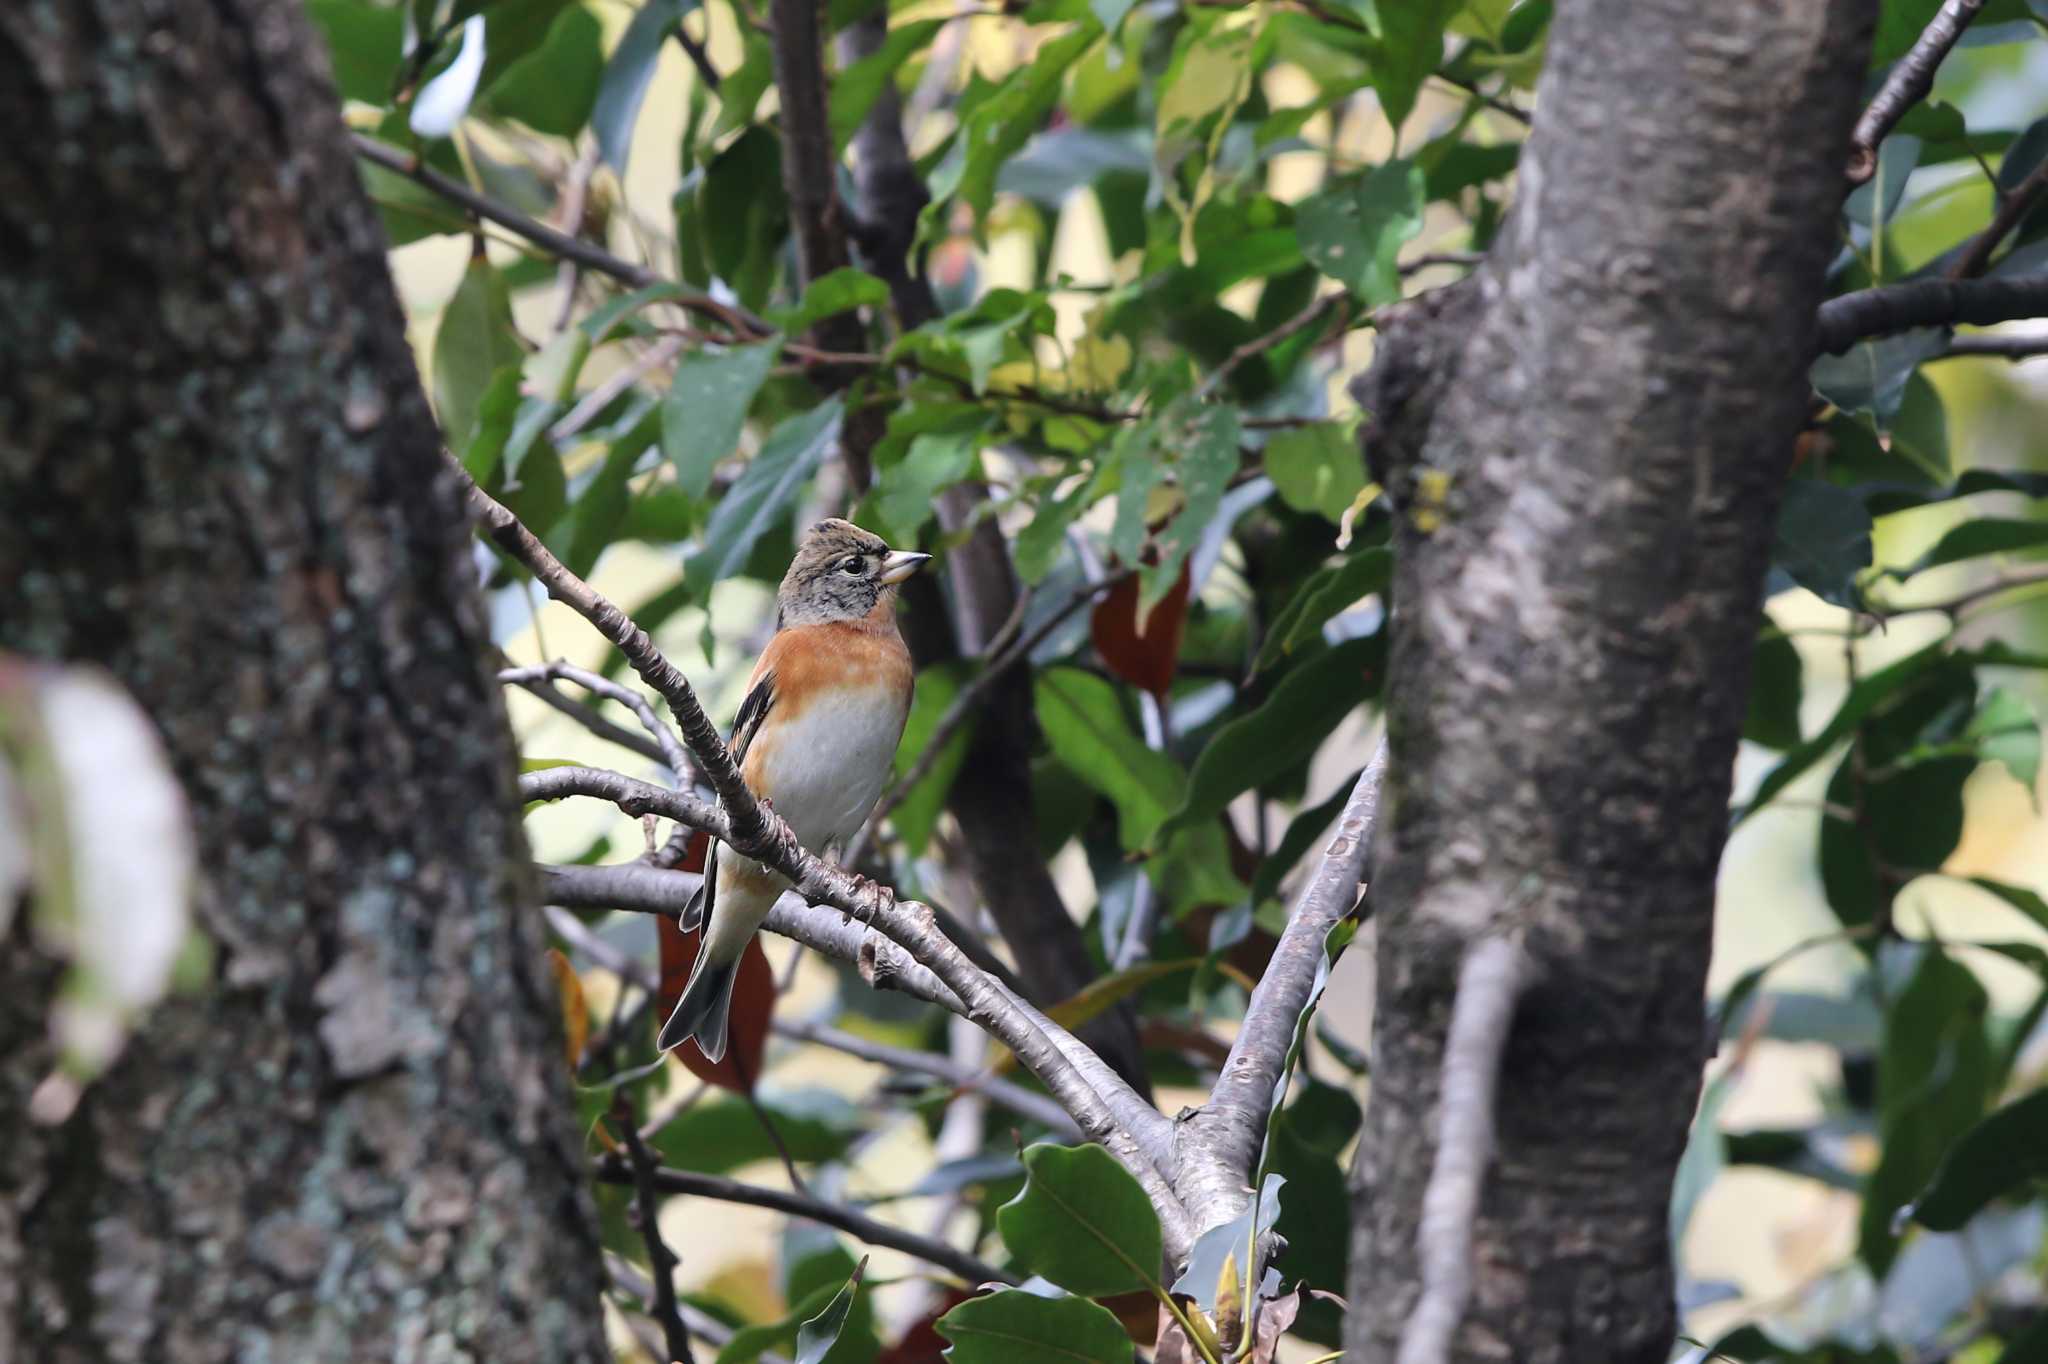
(815, 738)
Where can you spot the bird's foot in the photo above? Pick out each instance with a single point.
(869, 893)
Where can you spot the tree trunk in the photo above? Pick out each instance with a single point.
(219, 478)
(1586, 445)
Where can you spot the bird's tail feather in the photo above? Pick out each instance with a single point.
(702, 1011)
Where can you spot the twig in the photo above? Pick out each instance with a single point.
(969, 699)
(1489, 984)
(970, 1268)
(574, 197)
(556, 243)
(1259, 345)
(661, 1260)
(590, 404)
(1434, 258)
(1016, 1098)
(667, 748)
(1997, 347)
(1954, 606)
(699, 58)
(1219, 1147)
(1500, 104)
(626, 1277)
(2011, 208)
(1908, 82)
(590, 719)
(1892, 308)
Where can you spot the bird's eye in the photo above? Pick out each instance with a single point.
(853, 564)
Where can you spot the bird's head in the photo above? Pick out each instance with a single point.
(841, 572)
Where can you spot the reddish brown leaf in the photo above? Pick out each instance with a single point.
(1144, 660)
(1139, 1312)
(1275, 1316)
(575, 1013)
(753, 997)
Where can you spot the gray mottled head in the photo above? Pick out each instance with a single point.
(840, 572)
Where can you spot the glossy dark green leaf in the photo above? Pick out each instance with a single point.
(1776, 684)
(1085, 723)
(1218, 1265)
(1865, 696)
(1326, 594)
(1933, 1083)
(1353, 231)
(706, 408)
(1292, 723)
(816, 1337)
(2000, 1155)
(627, 75)
(1823, 539)
(512, 29)
(1871, 376)
(855, 89)
(763, 494)
(554, 88)
(475, 341)
(744, 213)
(1083, 1222)
(1011, 1326)
(364, 42)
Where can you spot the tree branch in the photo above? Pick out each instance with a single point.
(626, 1277)
(589, 718)
(1893, 308)
(1997, 347)
(969, 1268)
(660, 1259)
(2011, 208)
(668, 749)
(967, 1079)
(554, 242)
(1911, 77)
(1489, 983)
(1217, 1149)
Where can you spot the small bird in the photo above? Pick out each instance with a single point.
(814, 737)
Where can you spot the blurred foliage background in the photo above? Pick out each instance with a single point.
(1156, 237)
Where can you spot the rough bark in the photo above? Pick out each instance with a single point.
(219, 479)
(1586, 446)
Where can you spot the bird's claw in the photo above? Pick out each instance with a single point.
(869, 892)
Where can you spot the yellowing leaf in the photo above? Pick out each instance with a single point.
(575, 1016)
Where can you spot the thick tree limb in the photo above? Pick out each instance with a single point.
(1216, 1151)
(970, 1269)
(1908, 82)
(1890, 308)
(1489, 983)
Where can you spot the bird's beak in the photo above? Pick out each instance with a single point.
(900, 564)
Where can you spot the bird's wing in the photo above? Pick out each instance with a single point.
(760, 700)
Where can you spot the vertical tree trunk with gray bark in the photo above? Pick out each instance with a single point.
(219, 478)
(1586, 444)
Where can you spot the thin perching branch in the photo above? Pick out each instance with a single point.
(668, 749)
(969, 1268)
(1893, 308)
(2011, 208)
(2013, 348)
(1219, 1146)
(627, 1278)
(1911, 77)
(1489, 984)
(662, 1260)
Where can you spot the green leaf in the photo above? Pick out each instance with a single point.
(906, 491)
(2007, 731)
(1933, 1081)
(365, 44)
(1316, 469)
(1823, 539)
(1706, 1153)
(512, 28)
(718, 1135)
(855, 89)
(627, 75)
(762, 494)
(1775, 688)
(1353, 231)
(1220, 1266)
(496, 412)
(1871, 376)
(1409, 46)
(1999, 1155)
(1084, 722)
(1328, 593)
(917, 814)
(475, 340)
(744, 213)
(1861, 700)
(1206, 440)
(1978, 537)
(1011, 1326)
(1083, 1222)
(1037, 546)
(829, 295)
(707, 406)
(554, 88)
(1000, 125)
(1302, 711)
(819, 1334)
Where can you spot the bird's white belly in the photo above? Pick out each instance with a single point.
(830, 761)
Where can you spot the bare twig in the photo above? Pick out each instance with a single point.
(667, 748)
(968, 1268)
(627, 1278)
(1489, 984)
(590, 719)
(1016, 1098)
(1500, 104)
(590, 404)
(660, 1259)
(1218, 1147)
(1429, 259)
(1893, 308)
(2011, 208)
(1259, 345)
(1911, 77)
(1996, 347)
(1955, 606)
(699, 58)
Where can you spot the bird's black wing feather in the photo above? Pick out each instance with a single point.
(760, 700)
